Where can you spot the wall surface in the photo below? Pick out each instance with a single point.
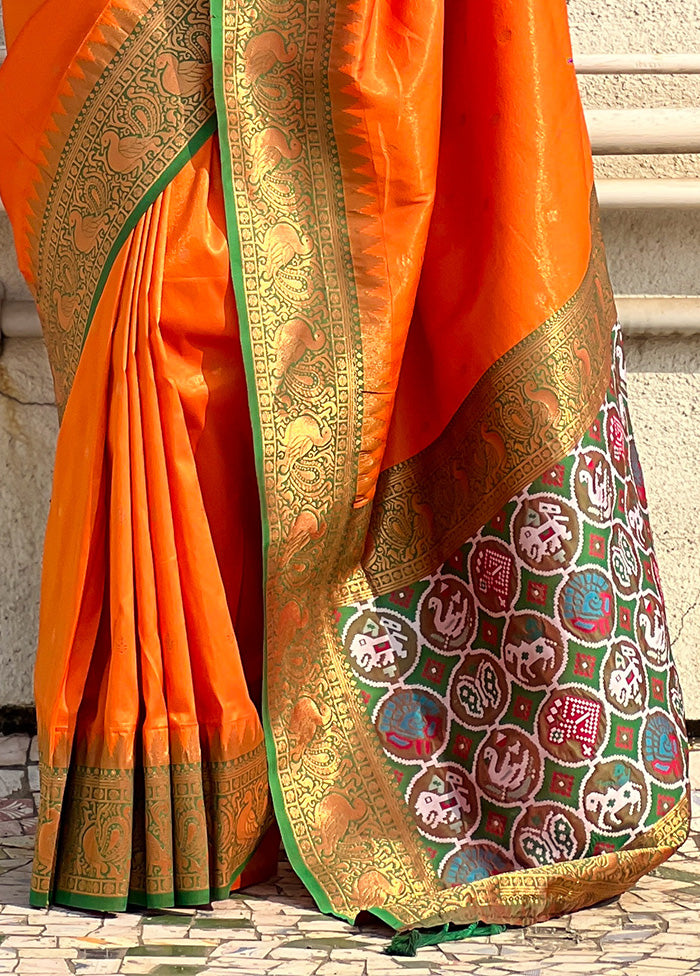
(652, 252)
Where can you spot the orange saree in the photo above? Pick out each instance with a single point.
(348, 523)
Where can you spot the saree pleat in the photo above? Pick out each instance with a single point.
(166, 797)
(343, 382)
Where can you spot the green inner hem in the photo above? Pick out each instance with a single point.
(149, 197)
(236, 260)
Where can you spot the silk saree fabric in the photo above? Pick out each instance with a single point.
(346, 502)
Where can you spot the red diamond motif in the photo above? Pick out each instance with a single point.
(561, 784)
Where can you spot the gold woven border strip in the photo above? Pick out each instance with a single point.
(140, 91)
(527, 411)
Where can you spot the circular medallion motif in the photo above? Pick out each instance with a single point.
(479, 690)
(624, 678)
(572, 725)
(617, 440)
(444, 803)
(412, 724)
(675, 696)
(546, 834)
(662, 750)
(587, 605)
(508, 766)
(594, 486)
(546, 533)
(474, 863)
(615, 797)
(493, 574)
(636, 518)
(533, 649)
(652, 631)
(447, 615)
(624, 563)
(382, 646)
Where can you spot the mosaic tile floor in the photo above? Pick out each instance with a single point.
(651, 931)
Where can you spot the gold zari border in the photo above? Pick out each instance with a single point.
(151, 831)
(526, 413)
(139, 91)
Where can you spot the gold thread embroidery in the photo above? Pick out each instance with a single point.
(525, 413)
(160, 829)
(303, 339)
(139, 90)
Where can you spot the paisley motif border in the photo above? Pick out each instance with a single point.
(526, 412)
(136, 103)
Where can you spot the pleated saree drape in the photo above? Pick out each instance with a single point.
(347, 520)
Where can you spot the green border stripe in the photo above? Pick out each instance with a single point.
(217, 54)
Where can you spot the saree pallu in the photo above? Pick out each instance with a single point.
(346, 501)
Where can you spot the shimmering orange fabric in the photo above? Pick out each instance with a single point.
(509, 238)
(152, 604)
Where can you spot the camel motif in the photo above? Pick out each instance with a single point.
(599, 487)
(607, 807)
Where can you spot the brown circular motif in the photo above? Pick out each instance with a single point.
(546, 834)
(493, 574)
(652, 630)
(572, 725)
(479, 690)
(587, 605)
(617, 440)
(508, 766)
(443, 800)
(662, 748)
(594, 486)
(624, 678)
(615, 797)
(412, 724)
(624, 562)
(637, 518)
(382, 646)
(546, 533)
(447, 614)
(533, 649)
